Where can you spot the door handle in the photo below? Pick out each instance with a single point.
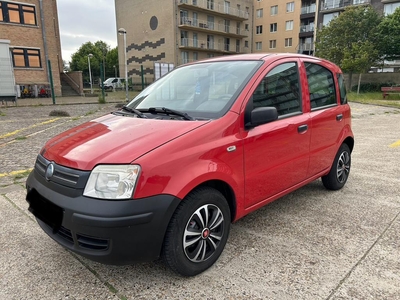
(302, 128)
(339, 117)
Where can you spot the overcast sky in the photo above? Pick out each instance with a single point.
(83, 21)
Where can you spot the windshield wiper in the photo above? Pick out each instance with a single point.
(169, 111)
(134, 111)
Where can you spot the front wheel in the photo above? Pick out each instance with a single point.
(197, 233)
(340, 170)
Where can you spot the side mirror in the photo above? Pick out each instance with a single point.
(262, 115)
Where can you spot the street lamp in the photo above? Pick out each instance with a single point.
(90, 72)
(123, 31)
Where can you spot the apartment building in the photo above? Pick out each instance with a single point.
(32, 42)
(175, 32)
(276, 25)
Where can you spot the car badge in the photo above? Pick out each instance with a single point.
(49, 171)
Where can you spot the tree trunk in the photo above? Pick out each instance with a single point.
(359, 83)
(350, 77)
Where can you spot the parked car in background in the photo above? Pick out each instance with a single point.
(113, 83)
(202, 147)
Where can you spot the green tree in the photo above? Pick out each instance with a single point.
(101, 54)
(389, 30)
(350, 40)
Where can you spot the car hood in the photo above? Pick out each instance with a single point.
(113, 140)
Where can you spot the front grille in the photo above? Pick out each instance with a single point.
(62, 175)
(92, 243)
(65, 234)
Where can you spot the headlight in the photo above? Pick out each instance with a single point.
(112, 181)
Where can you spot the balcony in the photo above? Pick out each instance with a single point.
(214, 8)
(209, 46)
(205, 26)
(308, 9)
(340, 4)
(306, 47)
(306, 28)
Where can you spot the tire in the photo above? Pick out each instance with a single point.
(197, 233)
(340, 170)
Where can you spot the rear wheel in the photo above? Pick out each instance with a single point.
(197, 233)
(340, 170)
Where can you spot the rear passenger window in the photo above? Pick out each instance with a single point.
(280, 89)
(321, 85)
(342, 89)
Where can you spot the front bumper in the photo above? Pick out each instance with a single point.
(106, 231)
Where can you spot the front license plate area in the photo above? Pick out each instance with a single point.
(44, 210)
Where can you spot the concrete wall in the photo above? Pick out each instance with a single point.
(75, 80)
(373, 77)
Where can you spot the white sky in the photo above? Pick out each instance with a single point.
(83, 21)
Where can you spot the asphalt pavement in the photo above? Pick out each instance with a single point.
(310, 244)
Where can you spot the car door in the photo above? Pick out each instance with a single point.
(327, 116)
(276, 154)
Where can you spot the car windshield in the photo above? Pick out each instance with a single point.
(108, 80)
(204, 90)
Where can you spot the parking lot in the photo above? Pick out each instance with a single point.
(311, 244)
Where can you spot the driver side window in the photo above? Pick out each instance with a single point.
(280, 89)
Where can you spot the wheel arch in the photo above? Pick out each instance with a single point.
(226, 190)
(350, 142)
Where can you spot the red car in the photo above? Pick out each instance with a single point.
(200, 148)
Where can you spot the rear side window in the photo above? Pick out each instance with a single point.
(342, 89)
(321, 85)
(280, 89)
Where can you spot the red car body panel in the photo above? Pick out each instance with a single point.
(112, 140)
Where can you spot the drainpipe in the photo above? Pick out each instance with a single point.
(46, 54)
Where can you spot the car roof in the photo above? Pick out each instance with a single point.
(269, 57)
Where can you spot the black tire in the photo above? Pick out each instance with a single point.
(340, 170)
(190, 246)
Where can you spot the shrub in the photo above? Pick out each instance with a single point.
(368, 87)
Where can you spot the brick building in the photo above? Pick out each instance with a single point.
(31, 26)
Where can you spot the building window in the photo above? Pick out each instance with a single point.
(210, 4)
(194, 2)
(246, 44)
(389, 8)
(17, 13)
(210, 22)
(289, 25)
(227, 44)
(290, 7)
(210, 42)
(259, 29)
(273, 27)
(227, 6)
(195, 19)
(227, 25)
(246, 27)
(258, 45)
(26, 58)
(185, 57)
(288, 42)
(195, 56)
(274, 10)
(195, 40)
(238, 46)
(272, 44)
(259, 13)
(184, 38)
(328, 17)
